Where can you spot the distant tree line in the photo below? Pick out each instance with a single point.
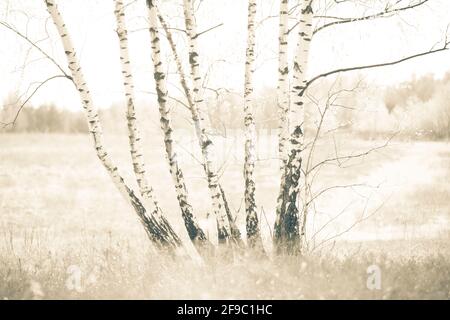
(14, 117)
(46, 119)
(422, 105)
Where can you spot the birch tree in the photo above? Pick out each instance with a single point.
(156, 225)
(287, 235)
(290, 223)
(283, 84)
(135, 139)
(289, 227)
(227, 229)
(195, 232)
(252, 223)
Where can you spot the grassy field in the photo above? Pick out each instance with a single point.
(65, 232)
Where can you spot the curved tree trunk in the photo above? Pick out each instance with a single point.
(227, 229)
(252, 223)
(195, 232)
(287, 238)
(203, 139)
(134, 136)
(155, 224)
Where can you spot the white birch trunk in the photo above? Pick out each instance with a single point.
(155, 224)
(283, 85)
(252, 223)
(287, 235)
(194, 230)
(135, 140)
(227, 228)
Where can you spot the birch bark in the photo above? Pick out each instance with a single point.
(287, 236)
(134, 137)
(194, 230)
(155, 224)
(283, 85)
(252, 223)
(227, 229)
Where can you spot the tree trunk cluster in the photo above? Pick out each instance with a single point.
(287, 237)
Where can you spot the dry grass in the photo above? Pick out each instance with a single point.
(118, 269)
(59, 209)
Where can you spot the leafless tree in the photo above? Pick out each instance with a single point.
(298, 170)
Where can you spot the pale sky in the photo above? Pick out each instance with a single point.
(222, 50)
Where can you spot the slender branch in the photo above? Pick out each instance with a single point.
(363, 218)
(344, 210)
(6, 25)
(377, 65)
(170, 97)
(346, 158)
(13, 122)
(267, 222)
(347, 186)
(207, 30)
(386, 13)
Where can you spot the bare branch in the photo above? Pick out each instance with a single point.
(347, 158)
(16, 116)
(331, 220)
(363, 218)
(34, 44)
(170, 97)
(348, 186)
(377, 65)
(207, 30)
(386, 13)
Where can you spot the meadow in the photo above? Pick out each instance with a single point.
(66, 233)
